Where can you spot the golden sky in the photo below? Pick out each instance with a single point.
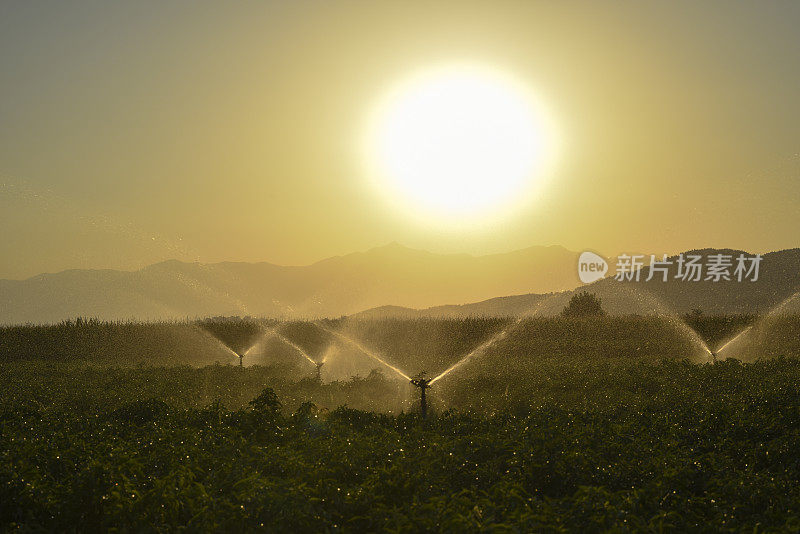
(136, 132)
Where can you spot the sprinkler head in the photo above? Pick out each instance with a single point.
(420, 381)
(319, 370)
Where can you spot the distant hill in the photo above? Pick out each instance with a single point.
(779, 280)
(511, 306)
(390, 275)
(389, 281)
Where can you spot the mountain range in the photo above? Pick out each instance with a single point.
(341, 285)
(777, 287)
(388, 281)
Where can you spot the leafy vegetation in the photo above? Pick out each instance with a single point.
(565, 425)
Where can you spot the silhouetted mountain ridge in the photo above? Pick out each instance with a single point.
(388, 281)
(779, 280)
(340, 285)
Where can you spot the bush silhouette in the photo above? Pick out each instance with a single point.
(583, 304)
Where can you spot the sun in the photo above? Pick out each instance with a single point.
(458, 142)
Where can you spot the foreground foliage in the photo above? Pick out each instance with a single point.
(586, 446)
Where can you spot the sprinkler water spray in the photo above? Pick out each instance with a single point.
(423, 384)
(362, 349)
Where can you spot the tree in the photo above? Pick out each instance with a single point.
(583, 304)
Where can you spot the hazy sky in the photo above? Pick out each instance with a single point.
(141, 131)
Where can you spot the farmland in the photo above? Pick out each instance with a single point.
(590, 424)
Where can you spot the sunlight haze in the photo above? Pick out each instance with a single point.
(132, 133)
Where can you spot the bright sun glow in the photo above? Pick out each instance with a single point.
(458, 142)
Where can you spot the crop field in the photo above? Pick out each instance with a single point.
(607, 423)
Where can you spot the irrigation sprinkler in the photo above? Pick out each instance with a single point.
(423, 384)
(241, 358)
(319, 371)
